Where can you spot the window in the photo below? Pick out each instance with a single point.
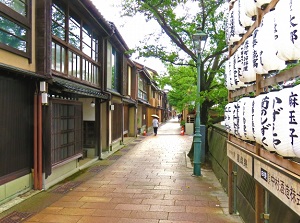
(95, 54)
(12, 34)
(113, 69)
(17, 5)
(58, 57)
(90, 72)
(74, 65)
(74, 32)
(58, 22)
(80, 44)
(142, 88)
(87, 41)
(66, 131)
(15, 35)
(129, 79)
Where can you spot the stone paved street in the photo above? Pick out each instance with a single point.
(148, 181)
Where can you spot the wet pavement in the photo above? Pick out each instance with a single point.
(148, 181)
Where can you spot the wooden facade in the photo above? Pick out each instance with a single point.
(58, 90)
(16, 102)
(117, 121)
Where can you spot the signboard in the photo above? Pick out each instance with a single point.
(241, 158)
(284, 187)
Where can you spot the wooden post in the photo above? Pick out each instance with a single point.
(230, 186)
(259, 202)
(259, 191)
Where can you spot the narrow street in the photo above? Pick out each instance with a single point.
(148, 181)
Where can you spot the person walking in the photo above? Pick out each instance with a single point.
(155, 125)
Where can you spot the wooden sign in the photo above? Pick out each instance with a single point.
(241, 158)
(285, 187)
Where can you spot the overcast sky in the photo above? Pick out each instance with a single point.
(132, 30)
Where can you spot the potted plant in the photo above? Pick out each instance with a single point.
(182, 124)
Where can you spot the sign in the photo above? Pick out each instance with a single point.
(241, 158)
(284, 187)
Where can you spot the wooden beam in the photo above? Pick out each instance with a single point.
(281, 77)
(243, 144)
(285, 163)
(243, 91)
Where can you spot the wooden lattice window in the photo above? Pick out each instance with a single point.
(66, 131)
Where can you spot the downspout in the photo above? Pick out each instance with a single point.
(35, 176)
(39, 148)
(98, 126)
(108, 122)
(122, 136)
(135, 119)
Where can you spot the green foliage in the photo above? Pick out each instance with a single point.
(297, 81)
(182, 80)
(179, 29)
(182, 123)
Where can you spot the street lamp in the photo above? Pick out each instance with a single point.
(198, 38)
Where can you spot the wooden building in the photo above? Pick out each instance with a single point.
(68, 91)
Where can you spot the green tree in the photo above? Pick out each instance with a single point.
(182, 80)
(179, 30)
(182, 92)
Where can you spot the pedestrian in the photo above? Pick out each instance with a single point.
(179, 117)
(155, 125)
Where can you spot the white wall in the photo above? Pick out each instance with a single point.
(88, 111)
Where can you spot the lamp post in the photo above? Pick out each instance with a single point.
(198, 37)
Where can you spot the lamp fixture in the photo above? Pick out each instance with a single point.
(93, 104)
(44, 98)
(44, 92)
(198, 38)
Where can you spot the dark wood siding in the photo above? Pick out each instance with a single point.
(117, 122)
(144, 115)
(126, 118)
(43, 37)
(16, 127)
(134, 85)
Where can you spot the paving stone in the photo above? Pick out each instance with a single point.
(132, 207)
(149, 215)
(150, 183)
